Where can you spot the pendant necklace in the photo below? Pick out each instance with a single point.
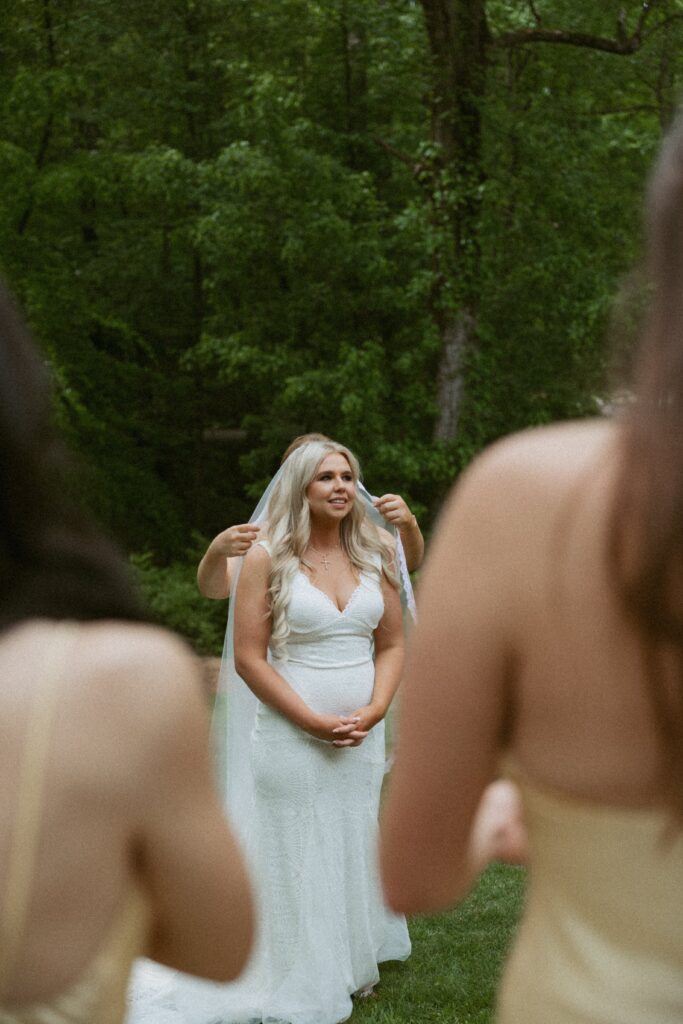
(323, 557)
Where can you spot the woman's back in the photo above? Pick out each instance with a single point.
(602, 911)
(551, 636)
(523, 648)
(111, 830)
(101, 707)
(581, 718)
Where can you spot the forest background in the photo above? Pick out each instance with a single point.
(399, 222)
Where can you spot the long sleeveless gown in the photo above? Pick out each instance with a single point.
(312, 842)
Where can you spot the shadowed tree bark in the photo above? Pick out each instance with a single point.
(458, 40)
(46, 134)
(461, 46)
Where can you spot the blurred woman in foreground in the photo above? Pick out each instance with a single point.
(112, 839)
(550, 639)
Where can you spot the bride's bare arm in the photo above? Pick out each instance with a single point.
(389, 650)
(252, 633)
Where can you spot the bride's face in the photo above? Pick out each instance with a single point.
(332, 491)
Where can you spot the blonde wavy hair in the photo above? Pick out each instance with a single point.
(289, 532)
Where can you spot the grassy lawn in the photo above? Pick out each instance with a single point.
(456, 962)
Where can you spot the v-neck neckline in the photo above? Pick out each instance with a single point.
(338, 610)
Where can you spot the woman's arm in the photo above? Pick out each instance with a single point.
(214, 573)
(499, 829)
(389, 650)
(202, 915)
(394, 509)
(453, 703)
(252, 634)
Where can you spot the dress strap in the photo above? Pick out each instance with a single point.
(30, 787)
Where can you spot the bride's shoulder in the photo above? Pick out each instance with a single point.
(258, 554)
(256, 568)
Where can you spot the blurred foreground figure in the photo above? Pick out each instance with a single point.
(112, 839)
(550, 640)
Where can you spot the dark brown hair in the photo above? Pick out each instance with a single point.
(53, 562)
(647, 537)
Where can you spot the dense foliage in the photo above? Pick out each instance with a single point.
(230, 221)
(172, 598)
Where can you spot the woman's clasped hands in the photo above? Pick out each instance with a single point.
(346, 730)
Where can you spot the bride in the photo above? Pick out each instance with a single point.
(318, 639)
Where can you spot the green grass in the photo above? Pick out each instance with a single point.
(456, 961)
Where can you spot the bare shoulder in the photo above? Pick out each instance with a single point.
(512, 495)
(134, 669)
(132, 647)
(256, 564)
(130, 695)
(540, 462)
(550, 452)
(257, 555)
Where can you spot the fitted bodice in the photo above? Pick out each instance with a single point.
(603, 916)
(321, 635)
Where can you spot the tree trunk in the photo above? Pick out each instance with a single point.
(354, 62)
(457, 336)
(46, 135)
(459, 42)
(458, 38)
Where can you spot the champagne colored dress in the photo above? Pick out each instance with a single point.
(601, 939)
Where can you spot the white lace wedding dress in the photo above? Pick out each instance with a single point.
(312, 846)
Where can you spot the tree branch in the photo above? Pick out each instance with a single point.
(49, 33)
(623, 45)
(556, 35)
(40, 160)
(46, 135)
(645, 11)
(398, 154)
(662, 24)
(637, 108)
